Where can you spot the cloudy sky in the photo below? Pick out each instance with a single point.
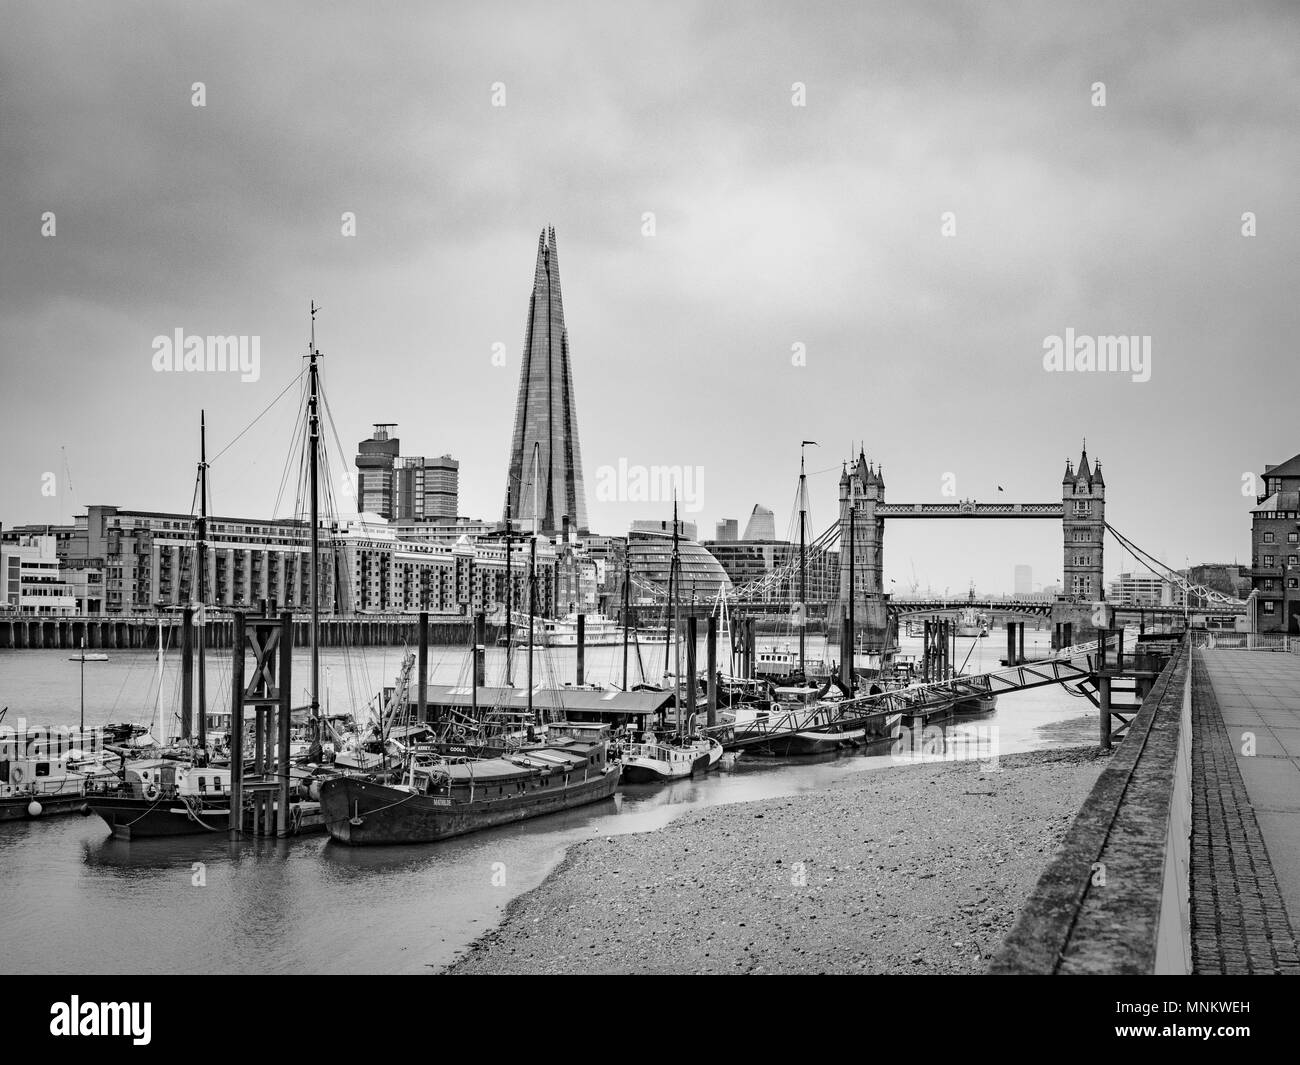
(774, 225)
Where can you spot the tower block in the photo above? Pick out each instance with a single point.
(1083, 498)
(862, 489)
(546, 417)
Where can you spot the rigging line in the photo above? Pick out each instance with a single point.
(250, 425)
(329, 416)
(299, 422)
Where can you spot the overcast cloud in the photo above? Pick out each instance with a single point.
(775, 225)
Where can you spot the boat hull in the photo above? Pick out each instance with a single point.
(811, 742)
(390, 815)
(131, 818)
(15, 808)
(656, 771)
(975, 706)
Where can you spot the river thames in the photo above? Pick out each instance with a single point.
(77, 901)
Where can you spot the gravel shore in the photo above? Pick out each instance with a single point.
(913, 869)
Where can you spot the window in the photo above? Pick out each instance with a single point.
(1268, 560)
(42, 769)
(1268, 538)
(1269, 607)
(1291, 582)
(1292, 537)
(1290, 560)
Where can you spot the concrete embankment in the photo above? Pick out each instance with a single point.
(914, 869)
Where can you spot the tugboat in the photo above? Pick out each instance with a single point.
(444, 797)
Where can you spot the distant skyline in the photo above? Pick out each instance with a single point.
(798, 284)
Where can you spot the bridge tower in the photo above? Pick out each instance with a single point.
(1083, 498)
(862, 490)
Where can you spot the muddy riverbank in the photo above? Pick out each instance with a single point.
(918, 869)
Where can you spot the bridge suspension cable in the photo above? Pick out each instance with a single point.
(1191, 590)
(788, 571)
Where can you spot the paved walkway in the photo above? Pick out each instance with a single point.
(1245, 866)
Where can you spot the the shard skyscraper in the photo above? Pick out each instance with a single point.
(546, 421)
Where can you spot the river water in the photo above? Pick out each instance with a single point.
(74, 900)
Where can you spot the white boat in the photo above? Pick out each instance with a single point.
(94, 656)
(39, 776)
(599, 631)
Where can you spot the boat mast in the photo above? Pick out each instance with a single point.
(203, 578)
(627, 574)
(804, 597)
(853, 637)
(676, 603)
(532, 582)
(162, 722)
(510, 611)
(313, 434)
(532, 610)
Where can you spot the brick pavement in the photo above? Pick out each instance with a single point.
(1244, 809)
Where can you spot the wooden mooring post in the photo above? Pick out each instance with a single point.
(690, 680)
(1115, 671)
(264, 788)
(711, 663)
(582, 649)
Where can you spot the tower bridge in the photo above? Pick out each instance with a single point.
(1081, 511)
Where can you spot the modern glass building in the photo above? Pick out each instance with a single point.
(650, 557)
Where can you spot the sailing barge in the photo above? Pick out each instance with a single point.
(443, 798)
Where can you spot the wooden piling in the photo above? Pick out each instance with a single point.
(1103, 698)
(582, 648)
(237, 732)
(480, 652)
(690, 679)
(187, 673)
(423, 666)
(711, 661)
(282, 720)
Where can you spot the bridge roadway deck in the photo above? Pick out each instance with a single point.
(1245, 856)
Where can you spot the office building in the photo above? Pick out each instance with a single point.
(761, 525)
(1024, 580)
(399, 487)
(376, 462)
